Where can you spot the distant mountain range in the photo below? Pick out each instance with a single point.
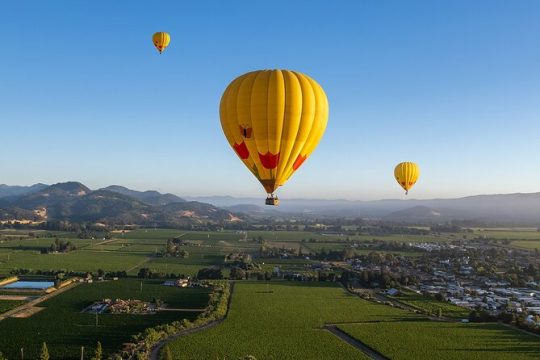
(523, 209)
(7, 190)
(150, 197)
(117, 204)
(75, 202)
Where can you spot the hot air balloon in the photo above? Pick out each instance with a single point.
(273, 119)
(407, 174)
(161, 40)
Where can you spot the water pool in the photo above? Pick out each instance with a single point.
(28, 285)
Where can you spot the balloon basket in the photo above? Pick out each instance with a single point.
(274, 201)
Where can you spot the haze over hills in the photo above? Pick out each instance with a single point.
(7, 190)
(150, 197)
(75, 202)
(500, 208)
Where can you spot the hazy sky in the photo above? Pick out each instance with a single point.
(452, 85)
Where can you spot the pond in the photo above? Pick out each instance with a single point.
(28, 285)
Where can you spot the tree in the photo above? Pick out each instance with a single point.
(98, 353)
(210, 273)
(237, 273)
(439, 313)
(44, 354)
(365, 277)
(144, 273)
(183, 253)
(166, 354)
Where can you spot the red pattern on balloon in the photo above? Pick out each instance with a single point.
(299, 161)
(269, 160)
(242, 150)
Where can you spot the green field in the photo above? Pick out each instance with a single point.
(135, 249)
(284, 323)
(423, 339)
(428, 304)
(132, 250)
(297, 265)
(526, 244)
(508, 234)
(289, 319)
(78, 260)
(65, 329)
(6, 305)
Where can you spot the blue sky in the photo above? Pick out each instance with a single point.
(451, 85)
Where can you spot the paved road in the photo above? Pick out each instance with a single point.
(182, 309)
(371, 353)
(154, 354)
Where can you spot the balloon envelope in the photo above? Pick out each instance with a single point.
(273, 119)
(406, 174)
(161, 40)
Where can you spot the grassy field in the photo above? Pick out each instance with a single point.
(526, 244)
(66, 329)
(268, 264)
(134, 249)
(6, 305)
(289, 316)
(508, 234)
(78, 260)
(427, 304)
(423, 339)
(289, 319)
(284, 323)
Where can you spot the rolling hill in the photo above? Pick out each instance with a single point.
(73, 201)
(8, 190)
(150, 197)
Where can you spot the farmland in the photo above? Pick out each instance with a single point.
(423, 339)
(289, 317)
(283, 321)
(526, 244)
(65, 329)
(131, 250)
(430, 305)
(6, 305)
(512, 234)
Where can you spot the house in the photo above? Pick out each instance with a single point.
(182, 283)
(392, 292)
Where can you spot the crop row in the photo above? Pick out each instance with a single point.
(424, 339)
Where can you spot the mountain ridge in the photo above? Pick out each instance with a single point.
(511, 208)
(151, 197)
(73, 201)
(63, 198)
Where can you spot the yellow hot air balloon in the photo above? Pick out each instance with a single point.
(273, 119)
(407, 174)
(161, 40)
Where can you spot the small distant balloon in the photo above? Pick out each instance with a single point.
(161, 40)
(406, 174)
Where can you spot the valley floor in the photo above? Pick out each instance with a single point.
(286, 320)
